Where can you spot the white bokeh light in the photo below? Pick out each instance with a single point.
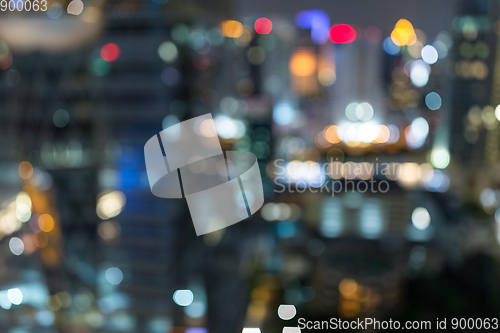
(229, 128)
(284, 113)
(114, 276)
(364, 111)
(419, 73)
(440, 157)
(497, 112)
(16, 246)
(351, 113)
(368, 132)
(429, 54)
(15, 296)
(421, 218)
(183, 297)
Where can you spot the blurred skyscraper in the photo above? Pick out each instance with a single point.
(474, 130)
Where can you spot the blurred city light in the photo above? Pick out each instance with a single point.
(364, 111)
(317, 21)
(109, 230)
(332, 218)
(183, 297)
(55, 11)
(263, 26)
(196, 330)
(408, 174)
(421, 218)
(227, 128)
(342, 34)
(25, 170)
(429, 54)
(284, 113)
(303, 63)
(45, 222)
(16, 246)
(417, 132)
(433, 101)
(61, 118)
(110, 205)
(15, 296)
(372, 221)
(197, 309)
(231, 29)
(419, 73)
(403, 33)
(114, 275)
(75, 7)
(110, 52)
(440, 157)
(390, 47)
(167, 51)
(333, 134)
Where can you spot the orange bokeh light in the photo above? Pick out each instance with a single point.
(384, 135)
(403, 33)
(25, 170)
(303, 63)
(231, 28)
(333, 134)
(46, 222)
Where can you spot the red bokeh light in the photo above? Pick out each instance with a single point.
(342, 34)
(110, 52)
(373, 34)
(263, 26)
(359, 31)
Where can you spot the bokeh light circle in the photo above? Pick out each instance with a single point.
(342, 34)
(433, 101)
(110, 52)
(429, 54)
(263, 26)
(421, 218)
(183, 297)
